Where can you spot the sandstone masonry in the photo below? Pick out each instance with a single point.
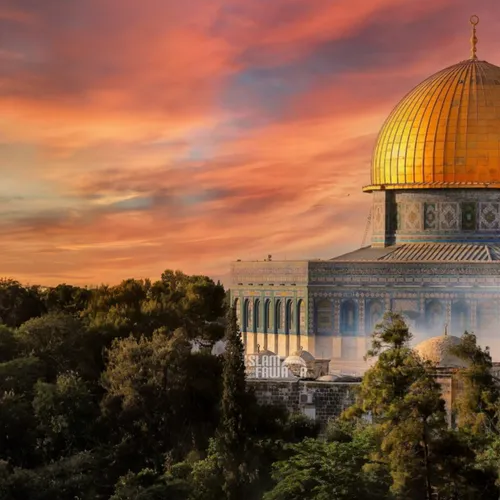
(320, 401)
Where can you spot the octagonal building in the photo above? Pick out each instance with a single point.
(435, 249)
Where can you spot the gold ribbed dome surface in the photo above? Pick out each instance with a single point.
(444, 133)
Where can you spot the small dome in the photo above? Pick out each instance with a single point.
(305, 355)
(296, 365)
(294, 360)
(437, 351)
(328, 378)
(265, 352)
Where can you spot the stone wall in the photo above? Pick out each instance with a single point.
(319, 400)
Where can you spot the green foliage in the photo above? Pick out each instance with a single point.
(66, 412)
(425, 458)
(20, 375)
(402, 395)
(233, 434)
(160, 395)
(298, 427)
(194, 303)
(8, 344)
(477, 408)
(208, 476)
(66, 298)
(18, 303)
(65, 479)
(55, 339)
(101, 397)
(148, 485)
(17, 430)
(319, 470)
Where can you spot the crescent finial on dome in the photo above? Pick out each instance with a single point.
(474, 20)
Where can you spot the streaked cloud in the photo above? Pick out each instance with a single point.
(136, 137)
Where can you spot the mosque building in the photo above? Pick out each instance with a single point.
(435, 248)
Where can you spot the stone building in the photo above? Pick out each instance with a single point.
(325, 397)
(435, 248)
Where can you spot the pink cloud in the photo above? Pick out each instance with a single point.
(118, 111)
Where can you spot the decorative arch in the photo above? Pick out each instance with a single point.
(435, 316)
(348, 317)
(237, 308)
(324, 316)
(256, 315)
(267, 316)
(278, 316)
(289, 316)
(373, 315)
(246, 315)
(487, 317)
(460, 317)
(301, 316)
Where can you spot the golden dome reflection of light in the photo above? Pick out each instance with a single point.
(445, 133)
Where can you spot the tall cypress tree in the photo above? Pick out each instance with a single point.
(233, 433)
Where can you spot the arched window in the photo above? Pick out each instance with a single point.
(435, 316)
(289, 316)
(460, 317)
(246, 315)
(256, 307)
(278, 319)
(300, 316)
(373, 316)
(487, 317)
(348, 317)
(267, 316)
(324, 317)
(237, 308)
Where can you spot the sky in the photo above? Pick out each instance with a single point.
(142, 136)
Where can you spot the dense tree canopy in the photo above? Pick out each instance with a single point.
(102, 397)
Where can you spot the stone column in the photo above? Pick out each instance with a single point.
(361, 316)
(311, 320)
(447, 305)
(337, 338)
(336, 317)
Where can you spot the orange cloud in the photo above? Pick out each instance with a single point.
(136, 138)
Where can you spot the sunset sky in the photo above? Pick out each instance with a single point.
(137, 136)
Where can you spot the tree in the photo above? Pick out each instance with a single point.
(318, 470)
(57, 340)
(404, 399)
(233, 432)
(17, 430)
(149, 485)
(66, 479)
(8, 345)
(477, 407)
(160, 396)
(66, 413)
(18, 303)
(66, 298)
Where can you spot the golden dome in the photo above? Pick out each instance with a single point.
(437, 351)
(444, 134)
